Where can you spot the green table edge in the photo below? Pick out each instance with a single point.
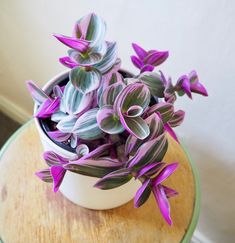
(197, 203)
(196, 211)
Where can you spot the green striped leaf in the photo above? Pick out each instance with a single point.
(149, 152)
(85, 80)
(110, 93)
(74, 101)
(108, 121)
(166, 110)
(156, 129)
(136, 126)
(95, 168)
(109, 58)
(177, 118)
(154, 83)
(114, 179)
(66, 125)
(87, 127)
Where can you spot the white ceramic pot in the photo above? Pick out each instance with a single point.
(79, 188)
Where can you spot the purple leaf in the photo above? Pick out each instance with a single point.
(141, 53)
(156, 58)
(142, 194)
(68, 62)
(183, 85)
(171, 132)
(57, 172)
(57, 91)
(195, 85)
(170, 192)
(165, 173)
(48, 107)
(147, 68)
(137, 62)
(150, 169)
(199, 89)
(59, 136)
(45, 175)
(77, 44)
(161, 199)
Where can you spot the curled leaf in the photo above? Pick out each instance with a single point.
(108, 121)
(85, 80)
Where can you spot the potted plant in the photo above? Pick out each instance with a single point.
(104, 130)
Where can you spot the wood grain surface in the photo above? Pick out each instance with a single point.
(30, 212)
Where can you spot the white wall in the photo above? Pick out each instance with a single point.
(199, 34)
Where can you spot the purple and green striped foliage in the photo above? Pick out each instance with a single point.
(118, 125)
(147, 60)
(46, 105)
(188, 84)
(122, 108)
(154, 184)
(90, 55)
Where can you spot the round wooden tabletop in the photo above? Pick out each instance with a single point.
(31, 212)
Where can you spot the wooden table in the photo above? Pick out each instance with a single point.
(30, 212)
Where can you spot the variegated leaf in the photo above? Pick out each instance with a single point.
(74, 101)
(142, 194)
(133, 94)
(166, 110)
(38, 95)
(95, 168)
(45, 175)
(110, 93)
(52, 158)
(108, 121)
(82, 150)
(66, 125)
(94, 56)
(149, 152)
(154, 83)
(59, 136)
(177, 118)
(58, 116)
(156, 129)
(114, 179)
(85, 80)
(92, 28)
(136, 126)
(87, 127)
(109, 58)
